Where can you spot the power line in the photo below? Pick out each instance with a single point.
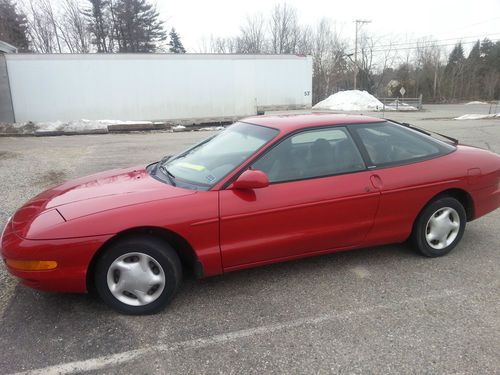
(461, 28)
(468, 26)
(423, 46)
(438, 40)
(429, 45)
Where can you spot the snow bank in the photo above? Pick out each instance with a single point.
(475, 102)
(120, 122)
(93, 126)
(211, 128)
(477, 116)
(82, 125)
(350, 100)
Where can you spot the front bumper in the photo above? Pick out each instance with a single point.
(73, 257)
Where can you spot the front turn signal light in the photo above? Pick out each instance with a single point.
(31, 265)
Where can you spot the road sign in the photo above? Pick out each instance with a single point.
(402, 91)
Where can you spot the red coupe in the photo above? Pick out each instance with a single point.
(266, 189)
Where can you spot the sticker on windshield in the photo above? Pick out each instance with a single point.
(195, 167)
(210, 178)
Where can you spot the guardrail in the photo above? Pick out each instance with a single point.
(402, 104)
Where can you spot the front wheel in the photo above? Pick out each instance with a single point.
(138, 275)
(439, 227)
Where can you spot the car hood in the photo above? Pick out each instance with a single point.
(95, 193)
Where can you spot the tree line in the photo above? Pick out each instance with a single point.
(384, 65)
(83, 26)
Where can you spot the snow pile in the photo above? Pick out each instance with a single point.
(350, 100)
(178, 128)
(475, 102)
(49, 126)
(477, 116)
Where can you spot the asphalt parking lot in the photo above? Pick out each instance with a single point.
(378, 310)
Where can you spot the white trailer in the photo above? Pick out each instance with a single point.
(182, 88)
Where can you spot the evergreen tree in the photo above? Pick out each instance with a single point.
(486, 48)
(456, 55)
(99, 18)
(175, 42)
(475, 54)
(490, 69)
(13, 26)
(473, 72)
(454, 73)
(490, 54)
(137, 26)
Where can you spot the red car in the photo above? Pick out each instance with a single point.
(264, 190)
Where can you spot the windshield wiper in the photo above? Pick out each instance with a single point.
(167, 173)
(165, 158)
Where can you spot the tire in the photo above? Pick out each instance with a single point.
(439, 227)
(138, 275)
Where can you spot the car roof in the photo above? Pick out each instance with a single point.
(291, 122)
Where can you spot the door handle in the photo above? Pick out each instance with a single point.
(376, 181)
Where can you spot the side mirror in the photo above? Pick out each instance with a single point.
(251, 179)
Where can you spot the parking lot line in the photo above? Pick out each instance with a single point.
(103, 362)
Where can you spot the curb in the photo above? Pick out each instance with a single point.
(116, 129)
(136, 127)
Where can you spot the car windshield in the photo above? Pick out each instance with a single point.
(205, 164)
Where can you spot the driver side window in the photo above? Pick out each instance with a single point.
(310, 154)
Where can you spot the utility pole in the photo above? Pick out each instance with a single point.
(358, 22)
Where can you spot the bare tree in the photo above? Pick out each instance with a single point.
(329, 64)
(428, 68)
(74, 27)
(218, 45)
(386, 58)
(284, 29)
(252, 37)
(305, 41)
(57, 29)
(366, 62)
(45, 7)
(40, 27)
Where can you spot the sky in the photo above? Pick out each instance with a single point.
(401, 21)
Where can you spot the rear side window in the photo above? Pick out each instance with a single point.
(311, 154)
(388, 143)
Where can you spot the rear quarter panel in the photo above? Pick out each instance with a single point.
(407, 189)
(483, 178)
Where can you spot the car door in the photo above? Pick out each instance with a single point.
(320, 197)
(407, 169)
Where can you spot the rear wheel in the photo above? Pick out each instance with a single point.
(138, 275)
(439, 227)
